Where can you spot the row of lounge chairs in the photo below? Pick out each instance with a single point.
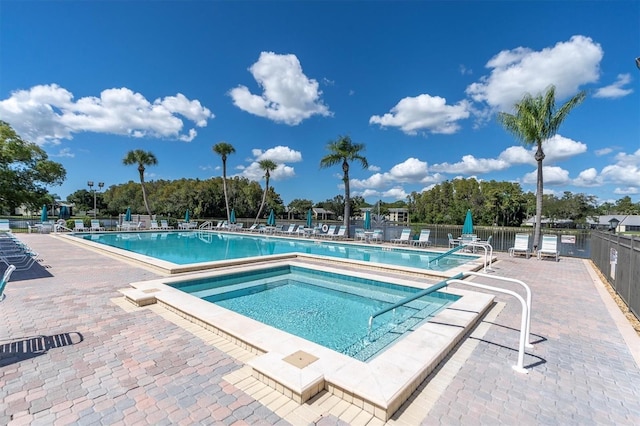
(14, 252)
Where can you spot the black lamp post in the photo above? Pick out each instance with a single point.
(90, 185)
(613, 224)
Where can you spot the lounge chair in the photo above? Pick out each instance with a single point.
(290, 230)
(5, 280)
(549, 247)
(520, 246)
(341, 234)
(331, 230)
(95, 225)
(404, 237)
(154, 225)
(78, 226)
(453, 242)
(4, 225)
(377, 236)
(360, 235)
(165, 225)
(423, 239)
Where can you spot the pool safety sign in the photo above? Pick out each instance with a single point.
(613, 260)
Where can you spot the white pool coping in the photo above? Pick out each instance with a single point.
(379, 386)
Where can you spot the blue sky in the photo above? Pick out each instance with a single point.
(419, 83)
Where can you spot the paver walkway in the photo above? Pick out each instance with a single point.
(72, 353)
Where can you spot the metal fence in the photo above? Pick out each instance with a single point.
(618, 258)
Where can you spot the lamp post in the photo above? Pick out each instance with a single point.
(90, 185)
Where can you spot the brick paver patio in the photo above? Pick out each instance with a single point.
(72, 352)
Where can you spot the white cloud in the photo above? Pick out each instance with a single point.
(279, 155)
(626, 171)
(64, 152)
(567, 65)
(603, 151)
(615, 90)
(410, 170)
(373, 168)
(588, 178)
(556, 149)
(426, 113)
(627, 191)
(559, 148)
(48, 113)
(552, 175)
(288, 95)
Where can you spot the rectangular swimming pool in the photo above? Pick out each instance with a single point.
(191, 247)
(330, 309)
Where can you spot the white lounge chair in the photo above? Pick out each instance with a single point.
(165, 225)
(95, 225)
(154, 225)
(342, 233)
(331, 230)
(290, 230)
(377, 236)
(404, 237)
(360, 235)
(520, 246)
(4, 225)
(549, 247)
(423, 239)
(78, 226)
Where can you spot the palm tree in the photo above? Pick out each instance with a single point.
(342, 150)
(141, 158)
(224, 149)
(268, 166)
(535, 121)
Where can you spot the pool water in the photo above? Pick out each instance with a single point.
(330, 309)
(194, 247)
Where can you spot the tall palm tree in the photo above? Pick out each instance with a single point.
(268, 166)
(535, 121)
(224, 149)
(342, 150)
(142, 159)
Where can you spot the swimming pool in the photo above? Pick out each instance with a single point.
(192, 247)
(330, 309)
(300, 368)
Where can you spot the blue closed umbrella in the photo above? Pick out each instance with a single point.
(127, 215)
(271, 220)
(64, 212)
(186, 216)
(44, 216)
(367, 220)
(233, 216)
(467, 228)
(309, 218)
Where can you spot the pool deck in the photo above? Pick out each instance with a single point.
(72, 351)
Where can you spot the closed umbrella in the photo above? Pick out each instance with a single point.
(309, 218)
(186, 216)
(467, 228)
(64, 213)
(367, 220)
(271, 220)
(127, 215)
(233, 216)
(44, 216)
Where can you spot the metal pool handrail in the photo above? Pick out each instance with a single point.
(411, 298)
(525, 322)
(446, 253)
